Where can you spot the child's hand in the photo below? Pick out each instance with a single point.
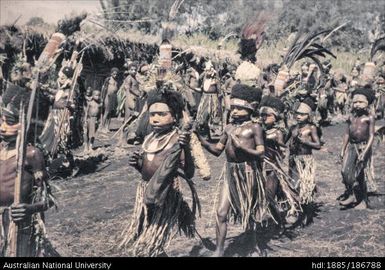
(236, 142)
(134, 159)
(184, 137)
(21, 211)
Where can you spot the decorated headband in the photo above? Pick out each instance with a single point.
(304, 108)
(241, 103)
(268, 110)
(362, 98)
(159, 107)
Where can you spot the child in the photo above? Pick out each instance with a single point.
(242, 140)
(131, 89)
(357, 148)
(209, 114)
(304, 138)
(277, 181)
(109, 98)
(165, 160)
(92, 115)
(35, 193)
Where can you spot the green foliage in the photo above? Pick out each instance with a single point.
(217, 18)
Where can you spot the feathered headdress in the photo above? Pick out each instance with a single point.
(71, 25)
(274, 103)
(309, 45)
(378, 45)
(253, 35)
(245, 92)
(367, 92)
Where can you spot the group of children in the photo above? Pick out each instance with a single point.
(256, 185)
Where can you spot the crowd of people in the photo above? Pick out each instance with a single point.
(174, 111)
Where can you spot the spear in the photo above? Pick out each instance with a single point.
(20, 158)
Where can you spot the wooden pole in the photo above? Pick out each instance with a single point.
(20, 158)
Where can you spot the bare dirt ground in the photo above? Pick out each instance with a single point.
(94, 206)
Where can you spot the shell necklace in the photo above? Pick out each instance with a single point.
(150, 144)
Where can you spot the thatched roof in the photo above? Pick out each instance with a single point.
(103, 48)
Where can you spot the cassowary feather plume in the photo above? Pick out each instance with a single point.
(378, 45)
(71, 25)
(253, 35)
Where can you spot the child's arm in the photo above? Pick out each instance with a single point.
(215, 149)
(132, 89)
(315, 141)
(258, 138)
(23, 210)
(281, 139)
(362, 156)
(345, 142)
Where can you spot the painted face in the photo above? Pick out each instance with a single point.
(355, 73)
(8, 131)
(360, 102)
(239, 112)
(301, 117)
(161, 117)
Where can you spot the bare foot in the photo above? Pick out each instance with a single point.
(218, 253)
(362, 206)
(351, 199)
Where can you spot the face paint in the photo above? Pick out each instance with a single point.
(161, 118)
(9, 132)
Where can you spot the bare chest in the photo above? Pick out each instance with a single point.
(8, 174)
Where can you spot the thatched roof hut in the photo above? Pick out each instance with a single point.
(103, 49)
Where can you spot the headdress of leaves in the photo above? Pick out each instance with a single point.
(378, 45)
